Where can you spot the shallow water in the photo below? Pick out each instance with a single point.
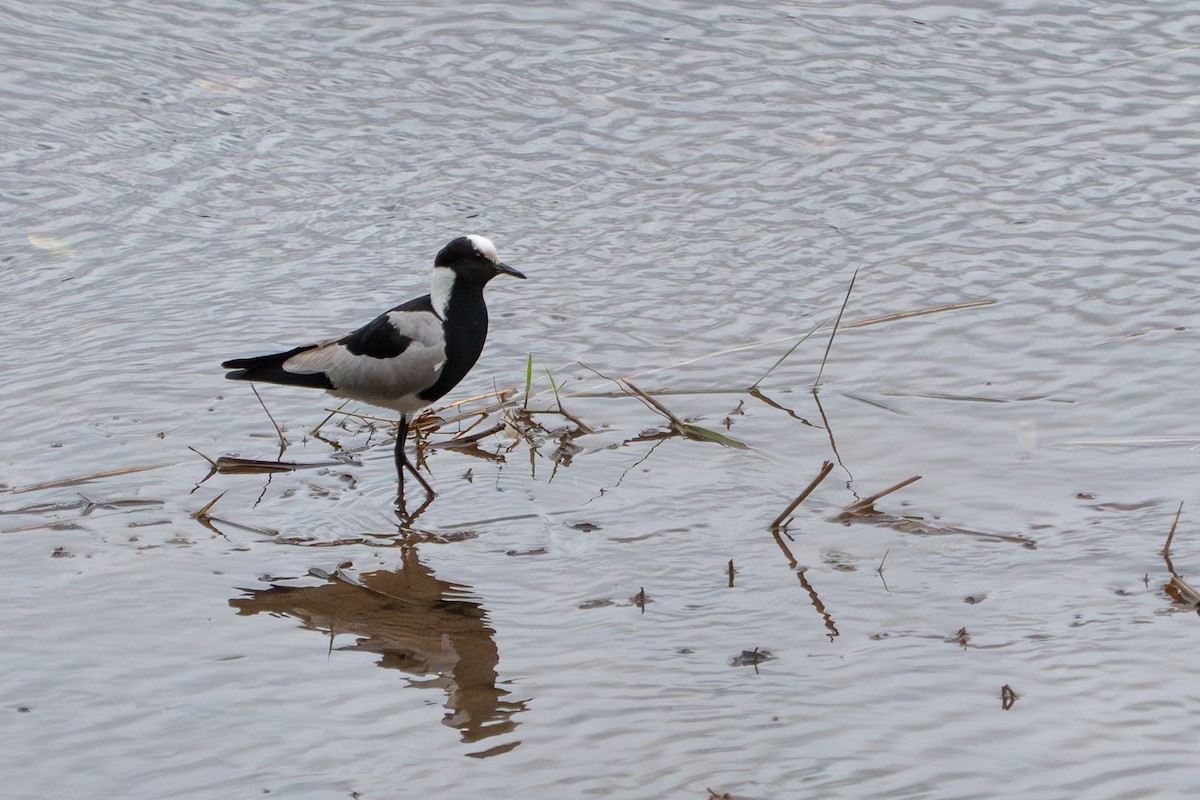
(188, 182)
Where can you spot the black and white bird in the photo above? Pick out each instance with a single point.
(406, 358)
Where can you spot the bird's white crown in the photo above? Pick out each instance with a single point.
(484, 247)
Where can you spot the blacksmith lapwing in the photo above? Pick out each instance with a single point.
(403, 359)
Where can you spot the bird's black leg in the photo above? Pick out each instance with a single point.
(403, 463)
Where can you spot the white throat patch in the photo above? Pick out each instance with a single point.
(485, 247)
(439, 294)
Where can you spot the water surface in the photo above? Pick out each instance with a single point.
(189, 182)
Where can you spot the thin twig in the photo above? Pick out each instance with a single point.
(204, 511)
(791, 350)
(206, 458)
(462, 441)
(583, 427)
(769, 342)
(56, 484)
(654, 404)
(867, 502)
(836, 323)
(321, 424)
(825, 470)
(862, 323)
(684, 429)
(1134, 60)
(278, 431)
(1166, 551)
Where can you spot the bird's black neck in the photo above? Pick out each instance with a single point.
(465, 328)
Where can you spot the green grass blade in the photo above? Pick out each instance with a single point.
(528, 380)
(706, 435)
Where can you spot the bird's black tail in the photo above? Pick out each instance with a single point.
(269, 369)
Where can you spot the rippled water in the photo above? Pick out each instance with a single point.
(186, 182)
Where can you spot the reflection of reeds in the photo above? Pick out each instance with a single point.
(84, 505)
(879, 571)
(206, 518)
(826, 617)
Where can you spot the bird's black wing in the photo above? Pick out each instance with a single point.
(381, 339)
(377, 339)
(270, 369)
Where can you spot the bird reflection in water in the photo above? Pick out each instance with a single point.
(418, 624)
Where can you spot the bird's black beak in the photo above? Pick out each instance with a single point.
(507, 270)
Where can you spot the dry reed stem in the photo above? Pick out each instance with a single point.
(768, 342)
(654, 404)
(1184, 593)
(502, 395)
(1166, 551)
(685, 429)
(204, 511)
(227, 465)
(826, 468)
(836, 323)
(112, 473)
(1135, 441)
(211, 463)
(921, 312)
(859, 506)
(316, 431)
(784, 357)
(1134, 60)
(267, 411)
(462, 441)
